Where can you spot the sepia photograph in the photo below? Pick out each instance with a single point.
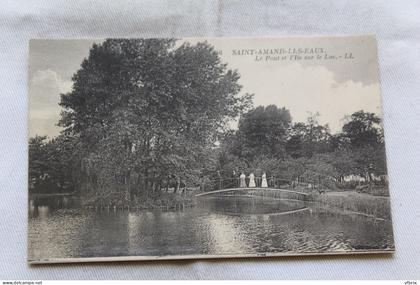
(193, 148)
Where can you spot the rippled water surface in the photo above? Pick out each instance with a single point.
(216, 226)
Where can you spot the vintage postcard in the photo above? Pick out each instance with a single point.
(143, 149)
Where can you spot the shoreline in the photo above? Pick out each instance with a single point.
(346, 202)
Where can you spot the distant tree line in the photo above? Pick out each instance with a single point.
(267, 140)
(147, 115)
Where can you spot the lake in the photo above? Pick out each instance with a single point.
(215, 226)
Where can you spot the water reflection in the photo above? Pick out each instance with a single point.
(250, 205)
(224, 225)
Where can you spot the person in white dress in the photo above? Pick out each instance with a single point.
(251, 180)
(242, 183)
(264, 183)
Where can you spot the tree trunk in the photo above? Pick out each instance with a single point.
(178, 184)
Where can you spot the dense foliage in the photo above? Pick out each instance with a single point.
(147, 115)
(266, 141)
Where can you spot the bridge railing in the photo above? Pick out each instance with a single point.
(272, 182)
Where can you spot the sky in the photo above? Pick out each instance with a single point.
(328, 81)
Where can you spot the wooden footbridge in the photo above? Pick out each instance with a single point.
(274, 187)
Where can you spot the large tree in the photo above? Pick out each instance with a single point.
(363, 129)
(364, 133)
(52, 164)
(307, 139)
(38, 166)
(150, 109)
(262, 131)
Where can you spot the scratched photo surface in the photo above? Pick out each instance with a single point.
(205, 148)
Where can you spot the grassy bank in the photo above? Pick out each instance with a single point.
(374, 206)
(119, 200)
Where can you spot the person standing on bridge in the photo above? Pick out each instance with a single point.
(251, 180)
(264, 183)
(242, 183)
(258, 175)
